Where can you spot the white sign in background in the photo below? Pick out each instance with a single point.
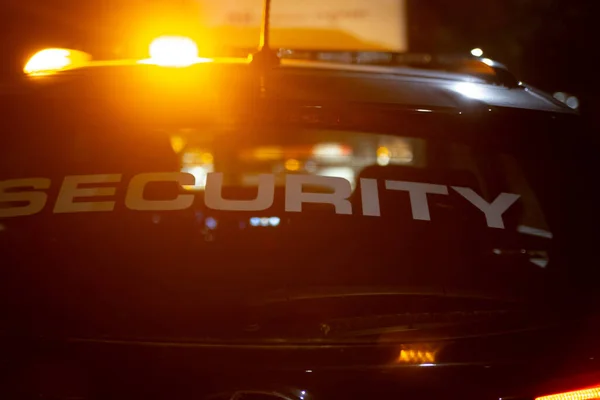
(381, 22)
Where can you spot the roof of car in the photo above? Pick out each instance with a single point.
(309, 80)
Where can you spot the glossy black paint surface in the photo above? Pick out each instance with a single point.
(521, 364)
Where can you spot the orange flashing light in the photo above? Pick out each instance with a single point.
(416, 356)
(52, 60)
(174, 51)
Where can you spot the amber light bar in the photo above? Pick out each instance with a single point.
(584, 394)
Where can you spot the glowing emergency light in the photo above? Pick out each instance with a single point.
(174, 51)
(52, 60)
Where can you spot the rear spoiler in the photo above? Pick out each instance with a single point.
(489, 70)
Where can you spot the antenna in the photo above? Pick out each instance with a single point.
(265, 57)
(264, 26)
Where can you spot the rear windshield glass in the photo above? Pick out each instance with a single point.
(95, 216)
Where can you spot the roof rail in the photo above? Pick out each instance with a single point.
(484, 68)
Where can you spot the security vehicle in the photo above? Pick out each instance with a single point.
(294, 224)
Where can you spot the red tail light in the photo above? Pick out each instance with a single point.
(583, 394)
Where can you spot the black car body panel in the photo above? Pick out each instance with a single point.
(521, 361)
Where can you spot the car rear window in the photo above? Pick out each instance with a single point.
(146, 218)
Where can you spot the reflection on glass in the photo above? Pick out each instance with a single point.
(292, 165)
(324, 153)
(255, 221)
(383, 156)
(340, 172)
(332, 152)
(199, 163)
(274, 221)
(263, 153)
(265, 221)
(177, 143)
(200, 174)
(210, 223)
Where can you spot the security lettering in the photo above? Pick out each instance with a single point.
(295, 196)
(34, 198)
(263, 201)
(418, 195)
(134, 200)
(95, 193)
(71, 190)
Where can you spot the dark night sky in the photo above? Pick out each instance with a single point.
(546, 43)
